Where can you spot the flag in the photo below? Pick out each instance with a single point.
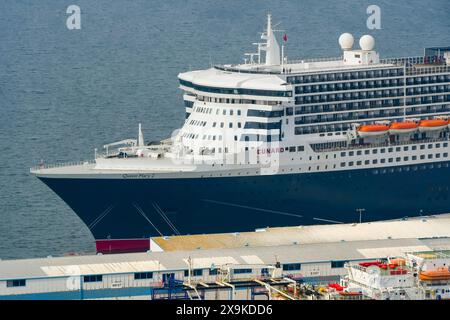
(285, 37)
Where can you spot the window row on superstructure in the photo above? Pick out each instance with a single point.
(373, 114)
(324, 127)
(349, 75)
(348, 96)
(416, 106)
(238, 101)
(427, 89)
(343, 107)
(240, 91)
(345, 86)
(372, 86)
(369, 84)
(396, 159)
(373, 155)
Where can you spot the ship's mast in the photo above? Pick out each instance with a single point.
(271, 47)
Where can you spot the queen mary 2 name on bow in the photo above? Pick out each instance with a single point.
(137, 176)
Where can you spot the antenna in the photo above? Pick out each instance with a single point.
(140, 137)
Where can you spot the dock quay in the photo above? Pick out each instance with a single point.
(271, 263)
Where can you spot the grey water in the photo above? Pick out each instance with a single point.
(65, 92)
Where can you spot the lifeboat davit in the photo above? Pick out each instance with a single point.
(370, 130)
(432, 125)
(437, 274)
(403, 127)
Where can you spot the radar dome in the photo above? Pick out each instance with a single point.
(367, 42)
(346, 41)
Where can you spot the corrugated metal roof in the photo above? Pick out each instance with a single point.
(371, 253)
(102, 268)
(423, 227)
(285, 245)
(156, 261)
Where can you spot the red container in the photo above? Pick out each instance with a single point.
(107, 246)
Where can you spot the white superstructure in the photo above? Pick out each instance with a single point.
(281, 142)
(279, 116)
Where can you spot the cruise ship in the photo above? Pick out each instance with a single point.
(276, 142)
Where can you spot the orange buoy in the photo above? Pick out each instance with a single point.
(432, 125)
(403, 127)
(437, 274)
(369, 130)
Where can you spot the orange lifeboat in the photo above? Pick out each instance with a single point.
(403, 127)
(370, 130)
(432, 125)
(438, 274)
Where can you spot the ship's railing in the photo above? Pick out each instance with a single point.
(324, 59)
(256, 68)
(43, 165)
(410, 63)
(425, 69)
(262, 68)
(402, 60)
(377, 145)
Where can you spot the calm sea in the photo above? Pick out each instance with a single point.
(64, 92)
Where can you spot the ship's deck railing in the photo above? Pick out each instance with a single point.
(410, 62)
(402, 60)
(235, 68)
(323, 59)
(43, 165)
(378, 145)
(425, 69)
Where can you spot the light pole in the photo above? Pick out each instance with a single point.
(360, 210)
